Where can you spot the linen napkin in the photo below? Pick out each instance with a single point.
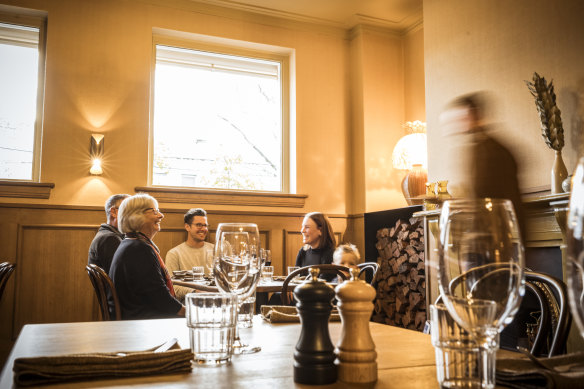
(78, 367)
(564, 371)
(287, 314)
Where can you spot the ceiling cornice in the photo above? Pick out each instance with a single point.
(273, 17)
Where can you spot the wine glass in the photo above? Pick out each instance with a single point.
(575, 247)
(480, 272)
(237, 266)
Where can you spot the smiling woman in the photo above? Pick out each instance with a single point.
(140, 277)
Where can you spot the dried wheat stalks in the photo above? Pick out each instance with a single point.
(552, 130)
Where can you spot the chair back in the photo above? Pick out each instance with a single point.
(6, 269)
(549, 295)
(105, 292)
(559, 319)
(303, 271)
(370, 270)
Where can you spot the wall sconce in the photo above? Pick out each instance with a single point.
(96, 153)
(410, 153)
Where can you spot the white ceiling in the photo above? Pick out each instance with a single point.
(393, 14)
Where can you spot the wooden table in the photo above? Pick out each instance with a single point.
(405, 358)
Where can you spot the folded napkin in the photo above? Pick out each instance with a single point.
(287, 314)
(77, 367)
(564, 371)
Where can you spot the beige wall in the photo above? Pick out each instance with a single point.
(495, 45)
(98, 80)
(387, 90)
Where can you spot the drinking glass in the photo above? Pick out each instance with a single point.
(198, 272)
(268, 259)
(480, 271)
(575, 247)
(212, 322)
(267, 273)
(237, 265)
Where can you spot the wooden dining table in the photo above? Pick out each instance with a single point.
(405, 358)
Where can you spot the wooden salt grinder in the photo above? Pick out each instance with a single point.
(356, 351)
(314, 356)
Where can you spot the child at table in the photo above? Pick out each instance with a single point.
(346, 255)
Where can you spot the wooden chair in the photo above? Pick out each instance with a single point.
(544, 293)
(303, 271)
(6, 269)
(555, 324)
(370, 270)
(104, 289)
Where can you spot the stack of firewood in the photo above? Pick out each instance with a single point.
(401, 279)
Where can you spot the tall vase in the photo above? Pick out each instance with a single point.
(559, 173)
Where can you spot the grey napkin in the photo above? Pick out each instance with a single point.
(561, 372)
(78, 367)
(287, 314)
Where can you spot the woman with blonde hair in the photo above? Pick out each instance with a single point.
(140, 277)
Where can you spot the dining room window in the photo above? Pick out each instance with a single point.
(218, 120)
(21, 94)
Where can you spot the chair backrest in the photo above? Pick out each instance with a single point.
(6, 269)
(370, 270)
(104, 289)
(560, 319)
(303, 271)
(549, 295)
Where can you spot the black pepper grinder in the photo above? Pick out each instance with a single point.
(314, 357)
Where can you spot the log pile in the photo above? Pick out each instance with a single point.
(401, 279)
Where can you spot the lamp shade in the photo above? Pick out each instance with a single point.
(410, 150)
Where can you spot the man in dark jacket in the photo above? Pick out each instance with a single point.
(108, 238)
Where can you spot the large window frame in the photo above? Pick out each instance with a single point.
(234, 48)
(39, 21)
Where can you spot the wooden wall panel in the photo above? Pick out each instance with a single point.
(168, 238)
(52, 285)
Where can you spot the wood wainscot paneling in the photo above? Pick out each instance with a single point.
(52, 284)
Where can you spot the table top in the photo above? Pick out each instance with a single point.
(405, 358)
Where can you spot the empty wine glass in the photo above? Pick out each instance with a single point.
(575, 247)
(480, 272)
(237, 265)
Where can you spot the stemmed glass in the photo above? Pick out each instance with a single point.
(480, 272)
(237, 266)
(575, 247)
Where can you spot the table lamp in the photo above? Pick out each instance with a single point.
(410, 153)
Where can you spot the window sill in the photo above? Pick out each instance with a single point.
(223, 197)
(33, 190)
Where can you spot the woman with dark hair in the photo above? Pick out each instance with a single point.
(319, 241)
(140, 277)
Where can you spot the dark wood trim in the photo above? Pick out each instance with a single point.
(223, 197)
(20, 189)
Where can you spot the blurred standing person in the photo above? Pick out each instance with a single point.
(192, 252)
(108, 237)
(491, 169)
(140, 277)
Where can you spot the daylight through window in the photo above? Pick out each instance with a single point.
(217, 121)
(19, 50)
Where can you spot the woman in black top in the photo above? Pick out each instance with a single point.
(140, 277)
(319, 241)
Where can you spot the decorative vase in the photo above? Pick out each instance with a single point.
(559, 173)
(414, 185)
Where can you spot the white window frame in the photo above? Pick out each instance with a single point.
(234, 48)
(36, 20)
